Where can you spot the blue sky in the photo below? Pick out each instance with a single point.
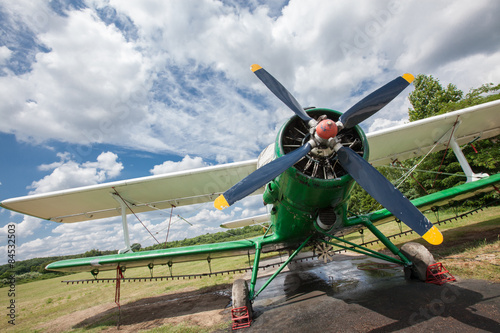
(103, 90)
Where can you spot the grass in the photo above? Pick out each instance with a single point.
(479, 260)
(470, 250)
(42, 301)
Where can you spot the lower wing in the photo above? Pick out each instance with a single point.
(155, 257)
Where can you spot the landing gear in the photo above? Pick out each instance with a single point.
(421, 259)
(241, 296)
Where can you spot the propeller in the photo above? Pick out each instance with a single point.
(324, 133)
(277, 89)
(260, 177)
(372, 103)
(382, 190)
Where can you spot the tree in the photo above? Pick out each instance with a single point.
(486, 93)
(92, 253)
(429, 97)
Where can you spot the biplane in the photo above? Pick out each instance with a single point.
(305, 177)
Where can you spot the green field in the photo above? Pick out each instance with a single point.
(470, 250)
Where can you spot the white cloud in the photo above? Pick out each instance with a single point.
(24, 228)
(81, 89)
(182, 84)
(28, 226)
(110, 168)
(173, 76)
(74, 238)
(380, 124)
(68, 174)
(186, 164)
(5, 54)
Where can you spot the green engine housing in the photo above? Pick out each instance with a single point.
(316, 187)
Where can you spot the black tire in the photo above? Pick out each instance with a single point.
(241, 296)
(408, 271)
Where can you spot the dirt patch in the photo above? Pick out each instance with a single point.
(207, 307)
(66, 322)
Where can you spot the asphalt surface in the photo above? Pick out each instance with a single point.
(355, 294)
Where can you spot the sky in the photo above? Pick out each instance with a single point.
(94, 91)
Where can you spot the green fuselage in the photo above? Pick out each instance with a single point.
(297, 198)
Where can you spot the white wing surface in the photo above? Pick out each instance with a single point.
(417, 138)
(141, 194)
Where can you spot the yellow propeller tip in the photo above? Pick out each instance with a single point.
(220, 203)
(433, 236)
(255, 67)
(408, 77)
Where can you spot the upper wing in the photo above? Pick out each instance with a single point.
(418, 137)
(142, 194)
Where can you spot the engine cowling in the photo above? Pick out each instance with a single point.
(321, 162)
(317, 183)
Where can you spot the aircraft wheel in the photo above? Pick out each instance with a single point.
(421, 259)
(241, 296)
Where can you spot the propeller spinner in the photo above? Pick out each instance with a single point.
(324, 134)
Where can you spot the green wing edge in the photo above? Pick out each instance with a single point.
(155, 257)
(437, 199)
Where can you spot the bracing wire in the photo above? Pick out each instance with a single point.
(137, 217)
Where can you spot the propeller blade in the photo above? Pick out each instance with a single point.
(375, 101)
(260, 177)
(277, 89)
(387, 195)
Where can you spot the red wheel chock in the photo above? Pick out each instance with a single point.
(241, 318)
(439, 275)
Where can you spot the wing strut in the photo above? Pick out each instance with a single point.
(123, 208)
(452, 142)
(471, 176)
